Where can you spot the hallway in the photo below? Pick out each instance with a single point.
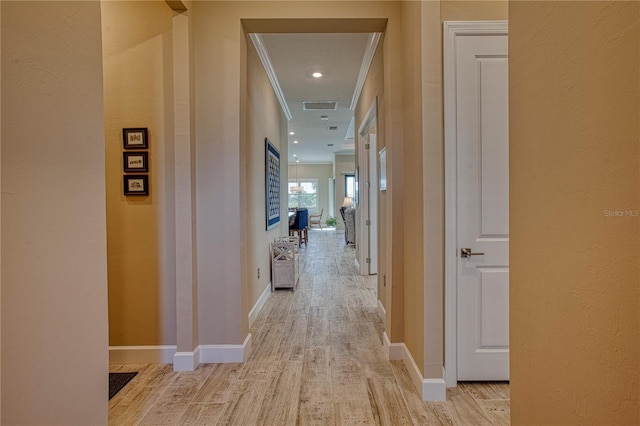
(317, 359)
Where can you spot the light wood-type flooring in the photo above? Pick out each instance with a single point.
(317, 359)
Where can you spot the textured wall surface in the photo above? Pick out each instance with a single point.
(575, 233)
(264, 119)
(54, 260)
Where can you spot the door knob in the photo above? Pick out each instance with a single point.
(466, 253)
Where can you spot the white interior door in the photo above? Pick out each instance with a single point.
(482, 180)
(362, 209)
(367, 211)
(373, 204)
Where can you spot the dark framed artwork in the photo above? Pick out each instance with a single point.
(136, 184)
(272, 184)
(136, 138)
(135, 161)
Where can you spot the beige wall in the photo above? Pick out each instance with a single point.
(413, 233)
(391, 114)
(264, 118)
(433, 186)
(373, 91)
(473, 10)
(54, 272)
(574, 160)
(322, 172)
(217, 54)
(138, 92)
(184, 182)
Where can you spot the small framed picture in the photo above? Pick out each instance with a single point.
(135, 138)
(136, 184)
(135, 161)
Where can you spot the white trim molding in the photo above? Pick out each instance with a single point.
(255, 311)
(182, 361)
(369, 118)
(453, 29)
(434, 390)
(258, 42)
(147, 354)
(186, 361)
(429, 389)
(370, 51)
(395, 351)
(225, 353)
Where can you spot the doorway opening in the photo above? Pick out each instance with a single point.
(367, 247)
(323, 130)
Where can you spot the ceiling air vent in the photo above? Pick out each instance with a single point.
(319, 105)
(332, 128)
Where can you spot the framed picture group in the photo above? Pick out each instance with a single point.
(135, 159)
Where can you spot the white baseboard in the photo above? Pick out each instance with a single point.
(150, 354)
(382, 311)
(182, 361)
(429, 389)
(225, 353)
(246, 346)
(395, 351)
(434, 390)
(259, 304)
(186, 361)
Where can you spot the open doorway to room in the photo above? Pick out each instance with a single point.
(318, 79)
(332, 319)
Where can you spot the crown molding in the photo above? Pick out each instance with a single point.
(263, 54)
(370, 51)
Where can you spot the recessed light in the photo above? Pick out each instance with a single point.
(324, 118)
(317, 74)
(295, 155)
(295, 141)
(297, 161)
(292, 133)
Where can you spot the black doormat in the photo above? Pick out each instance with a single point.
(117, 382)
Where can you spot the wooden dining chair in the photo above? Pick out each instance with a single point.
(316, 219)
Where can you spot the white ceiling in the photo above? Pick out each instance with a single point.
(294, 57)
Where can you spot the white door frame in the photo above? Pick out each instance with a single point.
(453, 29)
(372, 165)
(363, 231)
